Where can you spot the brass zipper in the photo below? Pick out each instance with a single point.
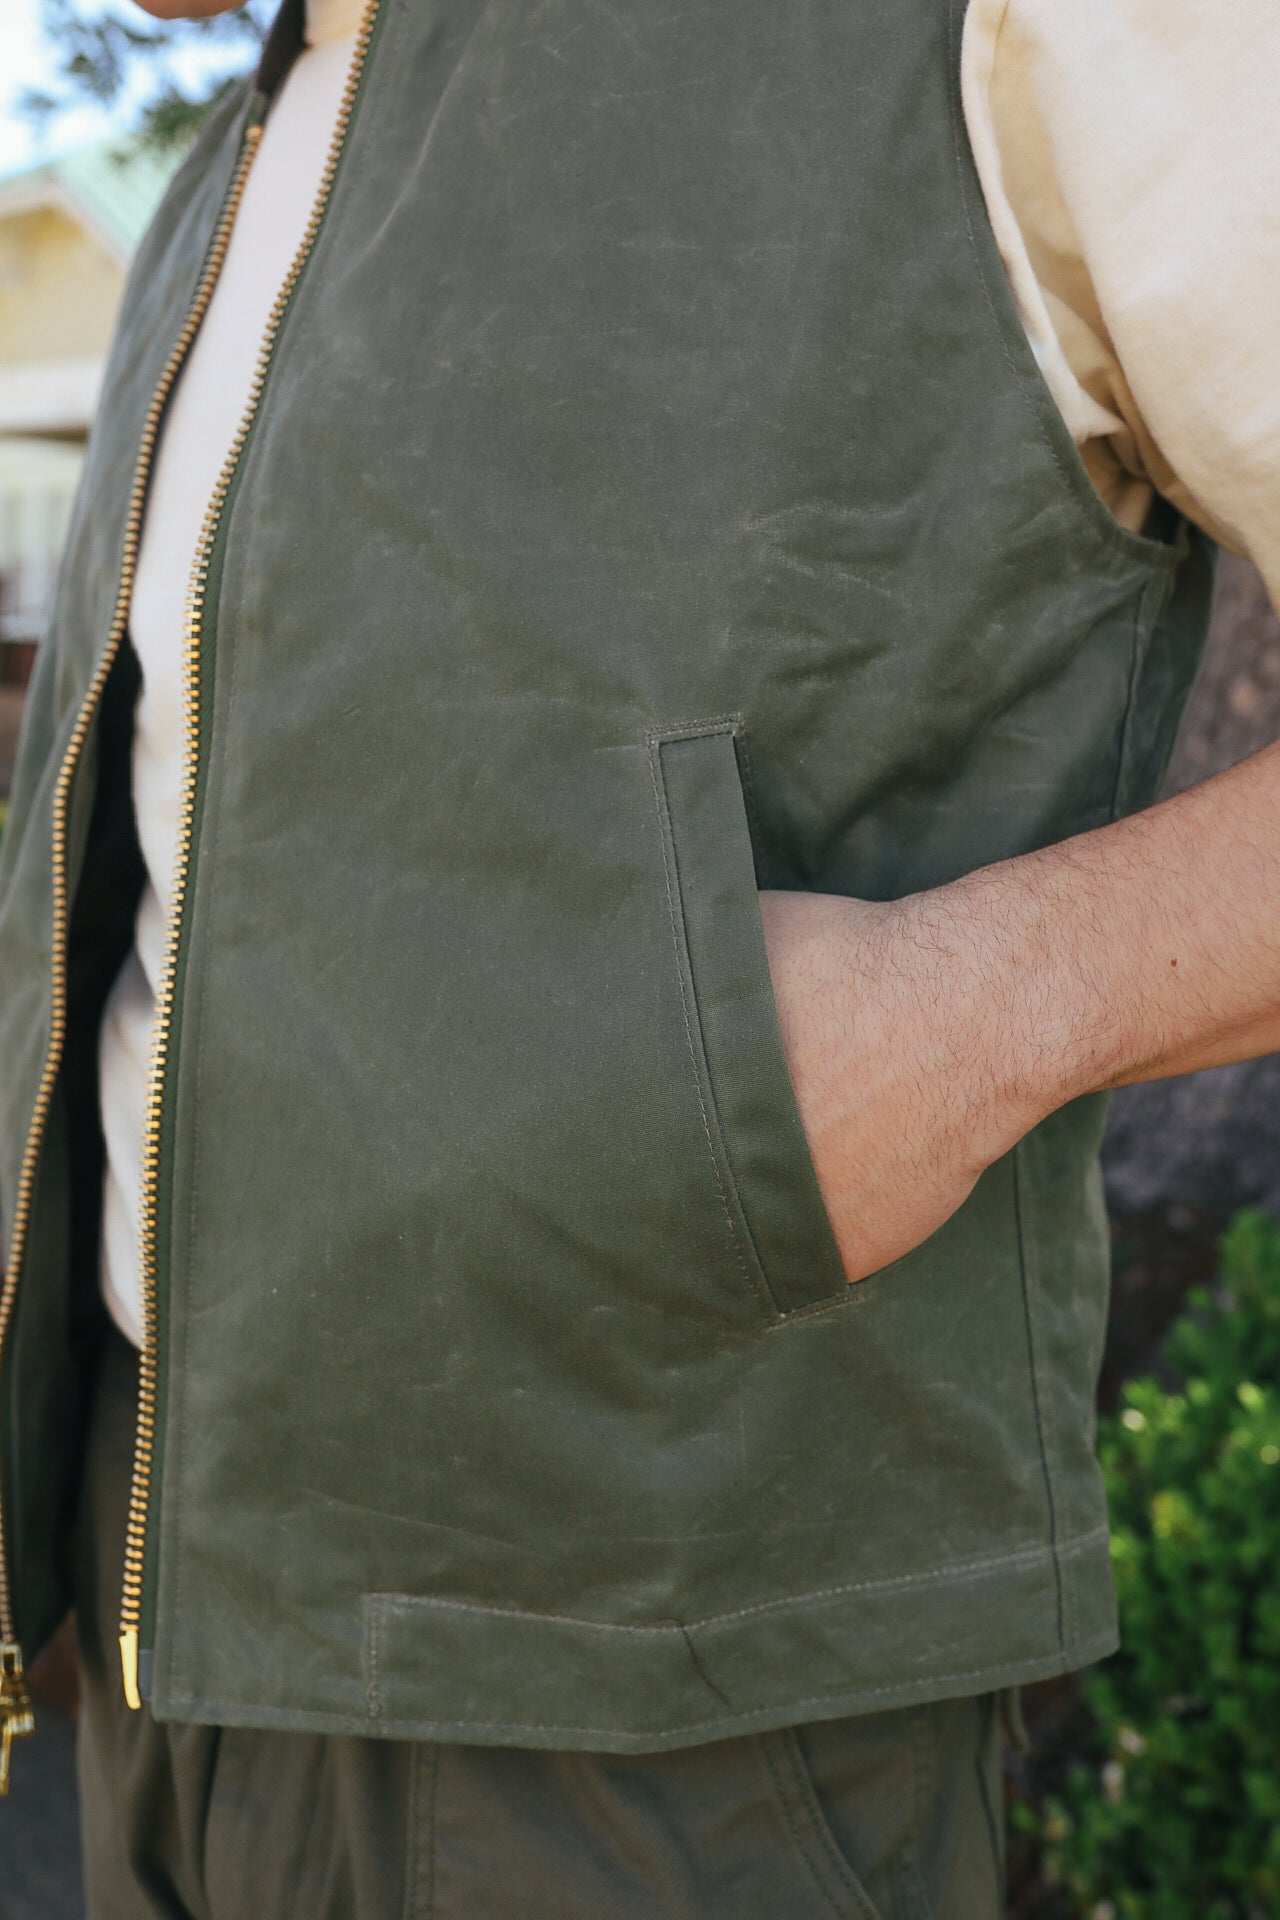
(140, 1492)
(16, 1717)
(15, 1706)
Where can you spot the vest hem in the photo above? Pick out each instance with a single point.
(501, 1733)
(483, 1676)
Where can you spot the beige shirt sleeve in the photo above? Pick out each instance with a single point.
(1129, 153)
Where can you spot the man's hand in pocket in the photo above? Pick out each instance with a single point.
(891, 1066)
(927, 1035)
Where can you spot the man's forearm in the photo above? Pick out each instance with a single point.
(927, 1035)
(1147, 948)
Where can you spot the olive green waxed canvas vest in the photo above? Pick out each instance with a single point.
(652, 497)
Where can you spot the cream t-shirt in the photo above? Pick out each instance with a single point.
(1130, 158)
(1131, 170)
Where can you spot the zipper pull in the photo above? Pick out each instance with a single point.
(129, 1666)
(16, 1717)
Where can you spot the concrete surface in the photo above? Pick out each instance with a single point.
(39, 1839)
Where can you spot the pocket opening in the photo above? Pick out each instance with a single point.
(763, 1166)
(814, 1837)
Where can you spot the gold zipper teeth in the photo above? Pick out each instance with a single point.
(135, 1534)
(144, 1441)
(66, 773)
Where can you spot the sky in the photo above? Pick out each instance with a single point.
(21, 65)
(25, 62)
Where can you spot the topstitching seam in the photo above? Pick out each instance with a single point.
(1028, 1258)
(693, 729)
(1146, 614)
(828, 1859)
(663, 834)
(420, 1848)
(380, 1603)
(923, 1737)
(794, 1707)
(1124, 746)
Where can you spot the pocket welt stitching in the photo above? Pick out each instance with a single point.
(797, 1797)
(740, 1057)
(654, 741)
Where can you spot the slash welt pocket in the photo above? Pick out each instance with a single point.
(758, 1151)
(829, 1870)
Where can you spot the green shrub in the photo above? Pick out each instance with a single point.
(1178, 1814)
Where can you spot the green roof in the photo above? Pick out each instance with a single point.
(116, 184)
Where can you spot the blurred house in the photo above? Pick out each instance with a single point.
(67, 232)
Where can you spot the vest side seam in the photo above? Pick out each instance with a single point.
(1028, 1268)
(1146, 617)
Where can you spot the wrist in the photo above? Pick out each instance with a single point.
(1022, 1029)
(1061, 929)
(955, 951)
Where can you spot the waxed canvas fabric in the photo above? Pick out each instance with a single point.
(886, 1816)
(653, 497)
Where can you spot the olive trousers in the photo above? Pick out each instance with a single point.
(889, 1816)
